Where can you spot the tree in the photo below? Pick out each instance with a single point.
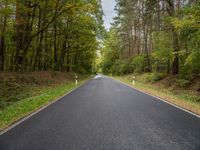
(50, 35)
(162, 35)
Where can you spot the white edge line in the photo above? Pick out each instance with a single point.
(183, 109)
(37, 111)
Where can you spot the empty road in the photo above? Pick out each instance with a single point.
(104, 114)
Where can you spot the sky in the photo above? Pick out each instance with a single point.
(109, 13)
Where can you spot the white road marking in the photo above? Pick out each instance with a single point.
(40, 109)
(32, 114)
(183, 109)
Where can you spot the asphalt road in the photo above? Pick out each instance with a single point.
(106, 115)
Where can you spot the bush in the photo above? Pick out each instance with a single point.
(192, 63)
(152, 77)
(106, 66)
(182, 83)
(158, 76)
(138, 63)
(121, 67)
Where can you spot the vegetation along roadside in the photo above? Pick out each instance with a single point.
(158, 42)
(22, 94)
(169, 88)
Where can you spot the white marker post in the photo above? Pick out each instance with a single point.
(76, 80)
(133, 80)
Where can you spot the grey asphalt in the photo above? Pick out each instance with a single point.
(104, 114)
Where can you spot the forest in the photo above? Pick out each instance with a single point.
(65, 35)
(49, 35)
(160, 36)
(50, 47)
(71, 80)
(44, 45)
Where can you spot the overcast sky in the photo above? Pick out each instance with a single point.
(109, 13)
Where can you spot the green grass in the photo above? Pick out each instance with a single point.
(182, 98)
(24, 107)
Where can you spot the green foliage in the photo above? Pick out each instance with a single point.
(182, 83)
(190, 19)
(192, 62)
(162, 52)
(50, 35)
(121, 67)
(176, 37)
(138, 63)
(151, 77)
(110, 51)
(188, 28)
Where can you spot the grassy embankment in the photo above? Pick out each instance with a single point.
(22, 94)
(184, 93)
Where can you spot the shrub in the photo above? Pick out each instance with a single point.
(152, 77)
(121, 67)
(138, 63)
(158, 76)
(182, 83)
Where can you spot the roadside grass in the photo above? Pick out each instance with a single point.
(26, 106)
(183, 98)
(15, 87)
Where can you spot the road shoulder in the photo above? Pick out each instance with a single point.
(186, 106)
(14, 120)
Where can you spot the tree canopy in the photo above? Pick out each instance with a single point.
(40, 35)
(154, 36)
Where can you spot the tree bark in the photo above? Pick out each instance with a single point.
(2, 43)
(175, 63)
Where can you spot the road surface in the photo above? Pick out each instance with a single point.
(104, 114)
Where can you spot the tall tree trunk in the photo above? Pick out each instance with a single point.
(68, 60)
(63, 52)
(158, 16)
(55, 48)
(23, 29)
(172, 13)
(146, 49)
(2, 42)
(19, 33)
(1, 53)
(37, 62)
(175, 64)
